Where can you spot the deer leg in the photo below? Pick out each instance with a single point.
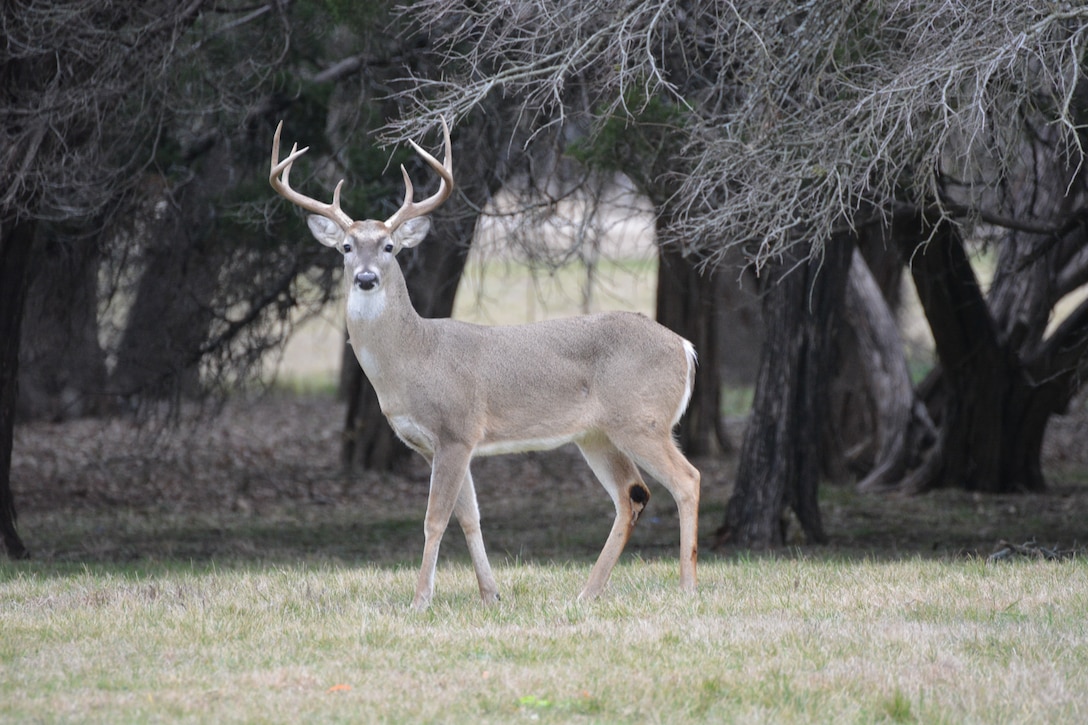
(659, 456)
(468, 514)
(623, 483)
(448, 471)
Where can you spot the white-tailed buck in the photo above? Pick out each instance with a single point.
(614, 384)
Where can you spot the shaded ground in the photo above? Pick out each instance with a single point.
(263, 481)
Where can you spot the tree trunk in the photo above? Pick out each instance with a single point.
(687, 301)
(1044, 188)
(872, 395)
(990, 418)
(780, 460)
(16, 243)
(1001, 376)
(870, 390)
(876, 420)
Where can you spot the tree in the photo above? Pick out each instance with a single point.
(16, 240)
(875, 418)
(925, 149)
(61, 67)
(799, 312)
(62, 365)
(93, 92)
(1003, 371)
(801, 123)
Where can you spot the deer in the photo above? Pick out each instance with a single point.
(614, 384)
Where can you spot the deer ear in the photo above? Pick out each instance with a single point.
(412, 232)
(325, 230)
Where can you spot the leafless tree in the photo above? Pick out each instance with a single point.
(797, 124)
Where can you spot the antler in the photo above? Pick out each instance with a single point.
(410, 209)
(278, 177)
(281, 170)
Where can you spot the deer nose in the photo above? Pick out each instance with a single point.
(366, 280)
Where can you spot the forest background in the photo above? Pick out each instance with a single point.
(800, 166)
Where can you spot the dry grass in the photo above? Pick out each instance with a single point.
(231, 572)
(765, 640)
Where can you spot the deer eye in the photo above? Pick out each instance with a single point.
(347, 248)
(388, 247)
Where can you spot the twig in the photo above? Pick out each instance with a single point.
(1031, 549)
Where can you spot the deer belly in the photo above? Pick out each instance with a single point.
(499, 447)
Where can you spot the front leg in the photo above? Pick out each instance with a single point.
(448, 471)
(468, 513)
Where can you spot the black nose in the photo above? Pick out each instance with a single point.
(366, 280)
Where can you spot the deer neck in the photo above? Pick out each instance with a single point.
(383, 328)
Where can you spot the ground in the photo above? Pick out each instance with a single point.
(262, 479)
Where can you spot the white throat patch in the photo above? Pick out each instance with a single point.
(365, 306)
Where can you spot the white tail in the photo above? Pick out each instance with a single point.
(614, 384)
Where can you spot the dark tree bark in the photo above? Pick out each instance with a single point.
(991, 411)
(1001, 374)
(16, 243)
(84, 93)
(876, 419)
(687, 303)
(871, 391)
(780, 460)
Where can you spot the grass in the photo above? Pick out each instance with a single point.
(781, 638)
(239, 576)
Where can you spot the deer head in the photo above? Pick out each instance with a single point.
(369, 246)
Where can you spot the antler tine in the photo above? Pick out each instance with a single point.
(278, 177)
(410, 209)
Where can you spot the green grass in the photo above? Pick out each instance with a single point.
(766, 639)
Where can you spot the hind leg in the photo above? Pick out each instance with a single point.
(659, 457)
(620, 478)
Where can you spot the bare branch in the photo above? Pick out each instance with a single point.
(795, 117)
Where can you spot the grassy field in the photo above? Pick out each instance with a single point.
(776, 639)
(235, 573)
